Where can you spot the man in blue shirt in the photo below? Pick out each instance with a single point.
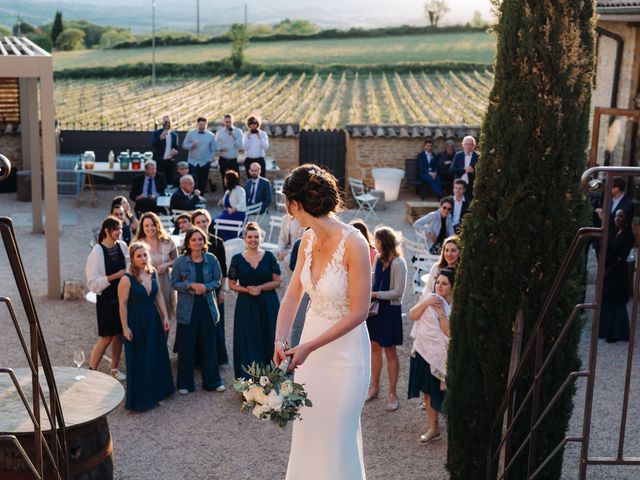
(258, 189)
(228, 141)
(429, 168)
(201, 145)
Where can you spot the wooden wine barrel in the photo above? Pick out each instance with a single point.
(85, 405)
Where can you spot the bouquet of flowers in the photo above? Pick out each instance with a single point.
(270, 394)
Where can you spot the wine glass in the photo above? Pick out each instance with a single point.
(78, 359)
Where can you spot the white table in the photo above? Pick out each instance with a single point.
(100, 169)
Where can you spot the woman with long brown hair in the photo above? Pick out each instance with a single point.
(106, 265)
(162, 253)
(385, 325)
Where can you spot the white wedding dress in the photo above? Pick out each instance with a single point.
(327, 442)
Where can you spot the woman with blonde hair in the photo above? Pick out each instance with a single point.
(162, 253)
(106, 265)
(385, 318)
(145, 321)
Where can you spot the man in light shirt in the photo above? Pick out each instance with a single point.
(464, 165)
(460, 204)
(165, 148)
(201, 145)
(228, 141)
(255, 143)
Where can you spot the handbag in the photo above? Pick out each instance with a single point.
(374, 306)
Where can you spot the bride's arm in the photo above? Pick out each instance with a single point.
(289, 305)
(359, 271)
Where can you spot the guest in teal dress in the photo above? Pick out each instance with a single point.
(255, 275)
(196, 276)
(145, 321)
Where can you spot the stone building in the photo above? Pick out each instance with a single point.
(617, 80)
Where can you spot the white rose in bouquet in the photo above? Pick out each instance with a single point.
(250, 395)
(286, 389)
(264, 381)
(258, 410)
(274, 401)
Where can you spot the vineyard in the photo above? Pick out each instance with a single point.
(313, 101)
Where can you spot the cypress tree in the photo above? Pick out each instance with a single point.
(57, 27)
(526, 210)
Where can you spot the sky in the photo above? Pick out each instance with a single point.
(327, 13)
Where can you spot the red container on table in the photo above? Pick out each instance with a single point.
(135, 164)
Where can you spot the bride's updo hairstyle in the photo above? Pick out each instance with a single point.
(315, 188)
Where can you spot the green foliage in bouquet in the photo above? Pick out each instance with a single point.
(271, 395)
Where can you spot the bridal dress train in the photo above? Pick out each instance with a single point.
(327, 442)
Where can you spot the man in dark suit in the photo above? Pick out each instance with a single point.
(165, 148)
(185, 197)
(428, 168)
(146, 189)
(258, 189)
(464, 165)
(460, 204)
(619, 201)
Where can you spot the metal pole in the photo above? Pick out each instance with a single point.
(153, 43)
(246, 15)
(198, 18)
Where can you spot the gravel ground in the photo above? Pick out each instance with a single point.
(204, 435)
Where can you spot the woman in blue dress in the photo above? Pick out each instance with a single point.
(385, 327)
(234, 202)
(145, 321)
(196, 276)
(255, 275)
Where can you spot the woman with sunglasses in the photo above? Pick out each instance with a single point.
(437, 225)
(255, 143)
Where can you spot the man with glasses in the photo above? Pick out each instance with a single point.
(255, 143)
(165, 148)
(437, 225)
(228, 141)
(201, 145)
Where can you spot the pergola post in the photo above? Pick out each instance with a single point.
(35, 165)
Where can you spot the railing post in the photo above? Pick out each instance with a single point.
(535, 405)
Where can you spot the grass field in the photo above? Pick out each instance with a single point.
(469, 47)
(313, 101)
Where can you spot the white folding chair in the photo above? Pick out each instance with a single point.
(420, 259)
(366, 202)
(253, 211)
(235, 226)
(275, 221)
(233, 246)
(167, 222)
(277, 191)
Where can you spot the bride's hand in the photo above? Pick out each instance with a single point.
(278, 352)
(299, 354)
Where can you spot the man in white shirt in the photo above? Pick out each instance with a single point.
(229, 141)
(201, 145)
(255, 143)
(258, 189)
(460, 204)
(464, 165)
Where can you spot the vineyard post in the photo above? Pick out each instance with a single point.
(153, 43)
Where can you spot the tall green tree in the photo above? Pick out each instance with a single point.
(57, 27)
(239, 37)
(526, 210)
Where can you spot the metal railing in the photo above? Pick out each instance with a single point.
(54, 444)
(503, 452)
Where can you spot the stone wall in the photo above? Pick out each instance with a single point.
(616, 138)
(11, 147)
(364, 154)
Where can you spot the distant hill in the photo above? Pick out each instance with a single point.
(136, 14)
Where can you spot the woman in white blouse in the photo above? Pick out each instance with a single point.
(255, 143)
(234, 202)
(106, 264)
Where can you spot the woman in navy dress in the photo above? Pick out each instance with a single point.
(255, 275)
(234, 203)
(196, 276)
(145, 321)
(614, 319)
(385, 328)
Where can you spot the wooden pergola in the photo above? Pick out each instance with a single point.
(21, 58)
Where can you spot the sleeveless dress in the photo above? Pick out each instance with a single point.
(149, 378)
(327, 442)
(107, 308)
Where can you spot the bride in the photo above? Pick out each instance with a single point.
(332, 359)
